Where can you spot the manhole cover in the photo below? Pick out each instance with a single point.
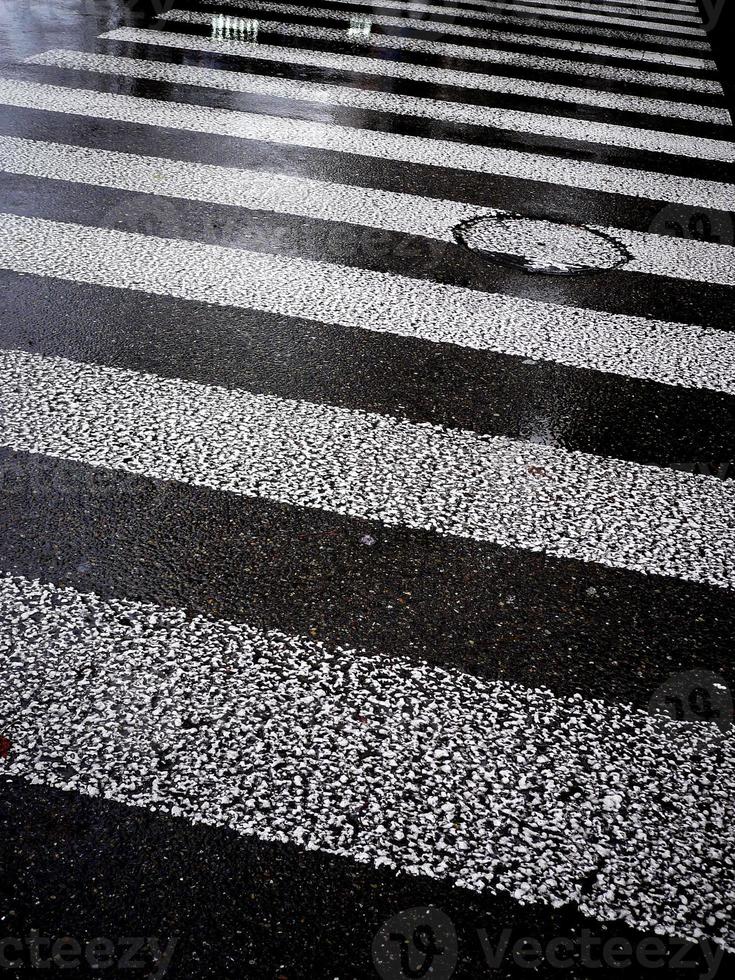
(540, 244)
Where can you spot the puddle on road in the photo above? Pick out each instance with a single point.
(541, 244)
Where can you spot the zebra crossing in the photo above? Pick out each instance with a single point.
(452, 48)
(337, 531)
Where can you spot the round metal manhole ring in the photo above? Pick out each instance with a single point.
(541, 244)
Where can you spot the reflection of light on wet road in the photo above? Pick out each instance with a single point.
(226, 28)
(359, 27)
(368, 401)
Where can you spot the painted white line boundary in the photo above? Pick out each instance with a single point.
(459, 764)
(420, 150)
(366, 207)
(510, 120)
(562, 503)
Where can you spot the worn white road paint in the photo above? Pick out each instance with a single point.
(631, 7)
(562, 503)
(387, 762)
(539, 60)
(363, 206)
(686, 37)
(370, 143)
(533, 88)
(511, 120)
(596, 18)
(661, 13)
(669, 353)
(656, 10)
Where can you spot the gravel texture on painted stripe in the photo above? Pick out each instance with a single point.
(559, 127)
(363, 206)
(581, 12)
(653, 11)
(371, 143)
(518, 59)
(386, 762)
(670, 353)
(534, 89)
(563, 503)
(621, 6)
(688, 37)
(631, 7)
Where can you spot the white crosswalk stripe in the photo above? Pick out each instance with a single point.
(363, 728)
(687, 36)
(668, 353)
(455, 49)
(562, 127)
(365, 207)
(317, 456)
(278, 384)
(434, 76)
(370, 143)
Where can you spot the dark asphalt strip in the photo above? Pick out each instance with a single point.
(612, 35)
(512, 615)
(383, 122)
(224, 906)
(635, 294)
(514, 194)
(467, 96)
(349, 46)
(688, 429)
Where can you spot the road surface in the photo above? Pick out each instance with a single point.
(366, 443)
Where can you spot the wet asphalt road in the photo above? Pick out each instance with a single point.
(479, 603)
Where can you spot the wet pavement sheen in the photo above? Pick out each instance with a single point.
(87, 847)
